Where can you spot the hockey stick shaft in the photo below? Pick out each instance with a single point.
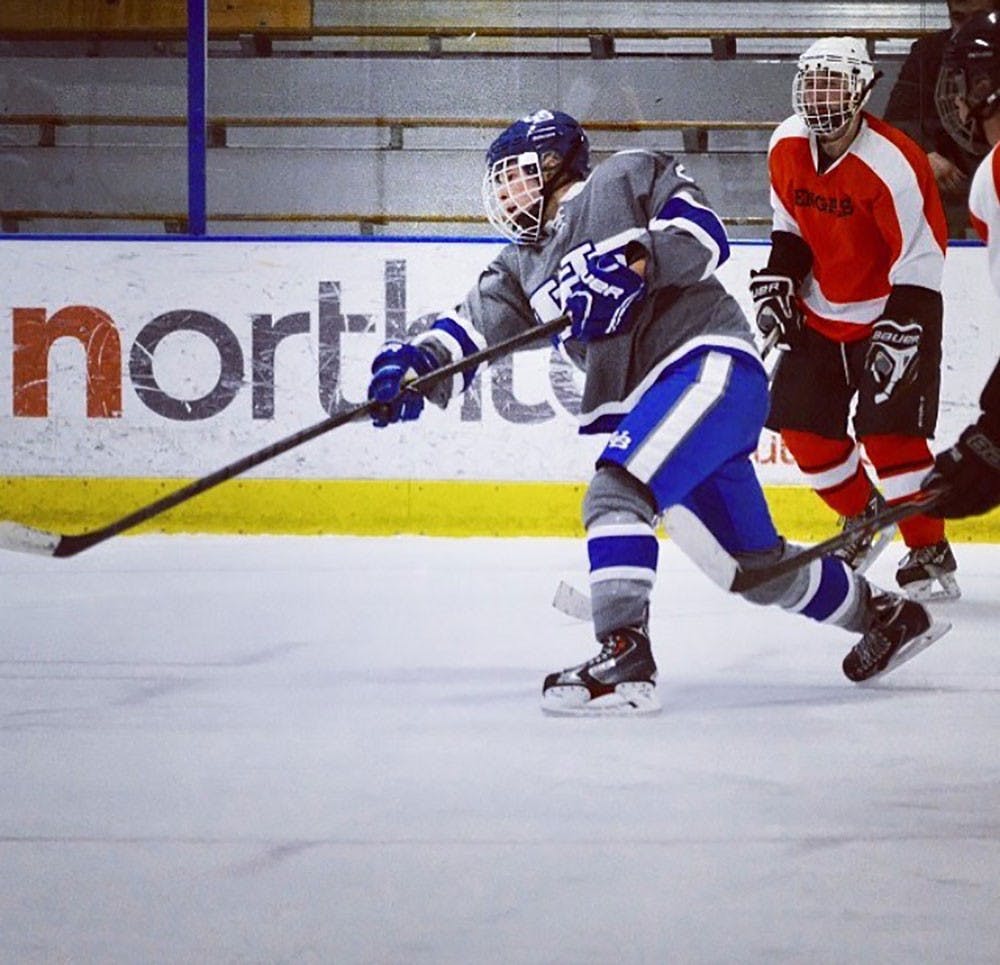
(748, 579)
(18, 537)
(769, 343)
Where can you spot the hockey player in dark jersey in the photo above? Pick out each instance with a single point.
(628, 252)
(968, 474)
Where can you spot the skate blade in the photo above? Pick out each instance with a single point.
(925, 591)
(880, 543)
(628, 700)
(918, 644)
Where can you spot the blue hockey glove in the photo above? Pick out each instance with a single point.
(396, 364)
(601, 298)
(891, 360)
(775, 306)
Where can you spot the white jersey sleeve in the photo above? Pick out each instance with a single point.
(984, 210)
(921, 258)
(781, 217)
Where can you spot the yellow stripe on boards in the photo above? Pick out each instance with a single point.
(372, 507)
(802, 516)
(359, 507)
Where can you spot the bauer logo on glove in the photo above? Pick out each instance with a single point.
(891, 360)
(775, 306)
(599, 292)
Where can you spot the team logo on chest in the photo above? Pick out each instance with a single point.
(840, 207)
(549, 299)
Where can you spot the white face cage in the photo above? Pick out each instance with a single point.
(513, 197)
(832, 83)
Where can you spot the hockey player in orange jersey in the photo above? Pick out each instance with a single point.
(853, 284)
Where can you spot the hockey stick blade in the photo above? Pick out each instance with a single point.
(572, 602)
(25, 539)
(744, 580)
(695, 541)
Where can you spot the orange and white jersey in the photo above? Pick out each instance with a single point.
(984, 209)
(873, 219)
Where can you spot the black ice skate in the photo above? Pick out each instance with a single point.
(861, 551)
(926, 566)
(620, 680)
(899, 630)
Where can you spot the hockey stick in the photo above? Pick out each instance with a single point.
(749, 579)
(769, 343)
(27, 539)
(704, 550)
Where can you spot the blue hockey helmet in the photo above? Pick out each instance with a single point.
(525, 164)
(968, 86)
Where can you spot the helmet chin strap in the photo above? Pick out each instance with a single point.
(860, 100)
(863, 94)
(981, 112)
(549, 188)
(560, 178)
(867, 89)
(987, 107)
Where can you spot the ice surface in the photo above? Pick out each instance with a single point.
(330, 750)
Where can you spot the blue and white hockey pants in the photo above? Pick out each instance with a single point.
(688, 441)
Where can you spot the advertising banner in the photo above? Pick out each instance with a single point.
(172, 358)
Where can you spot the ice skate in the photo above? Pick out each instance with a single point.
(861, 551)
(927, 573)
(900, 629)
(619, 681)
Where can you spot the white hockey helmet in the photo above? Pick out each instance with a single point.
(833, 81)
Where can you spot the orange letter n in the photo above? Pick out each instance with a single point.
(94, 330)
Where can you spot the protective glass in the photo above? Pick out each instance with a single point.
(513, 197)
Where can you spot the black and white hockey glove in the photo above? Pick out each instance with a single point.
(891, 361)
(968, 474)
(775, 306)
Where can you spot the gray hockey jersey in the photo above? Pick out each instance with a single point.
(637, 196)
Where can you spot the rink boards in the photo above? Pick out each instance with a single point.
(137, 365)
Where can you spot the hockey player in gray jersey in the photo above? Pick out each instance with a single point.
(628, 253)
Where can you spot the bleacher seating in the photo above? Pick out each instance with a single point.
(320, 123)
